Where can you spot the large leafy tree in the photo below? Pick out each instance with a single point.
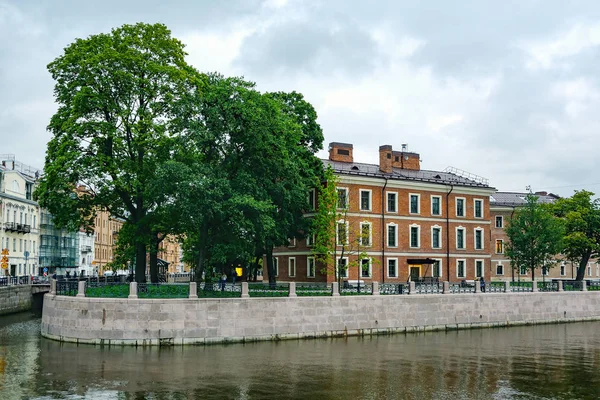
(535, 236)
(581, 216)
(121, 100)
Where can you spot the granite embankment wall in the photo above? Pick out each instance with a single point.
(203, 321)
(15, 299)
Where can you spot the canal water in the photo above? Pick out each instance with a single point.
(534, 362)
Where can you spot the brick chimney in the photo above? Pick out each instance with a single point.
(405, 159)
(385, 158)
(340, 152)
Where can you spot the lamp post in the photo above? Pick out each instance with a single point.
(26, 254)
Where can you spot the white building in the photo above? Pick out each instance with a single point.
(19, 217)
(86, 254)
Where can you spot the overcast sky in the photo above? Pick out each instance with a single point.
(508, 90)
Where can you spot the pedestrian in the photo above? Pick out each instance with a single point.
(223, 280)
(233, 276)
(482, 283)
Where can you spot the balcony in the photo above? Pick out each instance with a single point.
(86, 249)
(19, 228)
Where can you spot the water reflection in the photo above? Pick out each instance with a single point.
(550, 361)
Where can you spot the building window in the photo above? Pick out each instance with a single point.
(414, 236)
(365, 200)
(342, 267)
(365, 268)
(478, 239)
(436, 237)
(523, 271)
(460, 268)
(365, 234)
(310, 240)
(460, 207)
(310, 267)
(544, 270)
(292, 242)
(499, 269)
(460, 238)
(276, 265)
(589, 270)
(342, 233)
(342, 198)
(478, 208)
(499, 221)
(499, 246)
(414, 203)
(392, 202)
(436, 205)
(392, 268)
(392, 235)
(292, 267)
(563, 271)
(14, 244)
(436, 269)
(311, 199)
(479, 268)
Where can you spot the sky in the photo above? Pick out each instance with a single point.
(507, 90)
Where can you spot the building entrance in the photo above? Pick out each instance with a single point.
(415, 272)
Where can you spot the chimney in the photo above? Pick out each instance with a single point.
(541, 193)
(340, 152)
(406, 160)
(385, 158)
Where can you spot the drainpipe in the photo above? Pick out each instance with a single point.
(383, 232)
(448, 232)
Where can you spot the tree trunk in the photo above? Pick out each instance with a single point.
(270, 266)
(154, 260)
(199, 270)
(582, 266)
(140, 262)
(255, 272)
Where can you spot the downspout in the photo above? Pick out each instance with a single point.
(383, 232)
(448, 232)
(513, 270)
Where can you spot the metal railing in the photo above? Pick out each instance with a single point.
(363, 289)
(67, 288)
(495, 287)
(163, 290)
(313, 289)
(208, 290)
(393, 288)
(569, 286)
(429, 288)
(461, 288)
(268, 290)
(521, 287)
(549, 286)
(15, 280)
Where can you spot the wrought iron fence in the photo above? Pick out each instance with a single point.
(461, 288)
(15, 280)
(99, 288)
(393, 288)
(495, 287)
(571, 286)
(593, 285)
(313, 289)
(429, 287)
(268, 290)
(66, 288)
(163, 290)
(214, 290)
(363, 289)
(547, 286)
(521, 287)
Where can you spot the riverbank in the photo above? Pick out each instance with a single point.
(150, 322)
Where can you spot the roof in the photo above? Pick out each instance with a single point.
(516, 199)
(372, 170)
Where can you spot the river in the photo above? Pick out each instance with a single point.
(533, 362)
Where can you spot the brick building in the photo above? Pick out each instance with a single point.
(419, 223)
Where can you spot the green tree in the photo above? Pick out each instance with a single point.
(535, 236)
(325, 222)
(581, 217)
(121, 100)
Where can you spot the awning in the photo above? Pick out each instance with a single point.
(420, 261)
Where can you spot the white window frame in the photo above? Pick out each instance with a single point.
(440, 237)
(360, 192)
(464, 201)
(478, 229)
(312, 195)
(410, 195)
(441, 210)
(363, 223)
(345, 189)
(589, 269)
(395, 202)
(370, 270)
(276, 265)
(387, 234)
(563, 269)
(464, 268)
(310, 240)
(418, 246)
(501, 221)
(475, 208)
(464, 232)
(496, 246)
(439, 260)
(388, 267)
(501, 266)
(308, 260)
(290, 267)
(337, 267)
(337, 238)
(482, 268)
(292, 242)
